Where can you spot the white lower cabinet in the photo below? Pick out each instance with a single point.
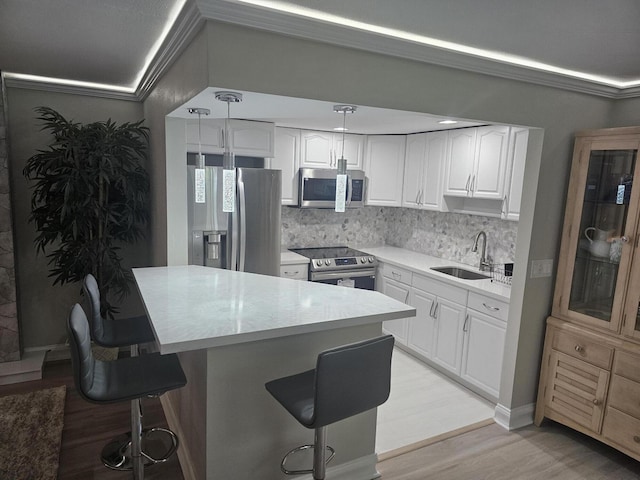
(421, 335)
(485, 329)
(297, 271)
(398, 328)
(459, 332)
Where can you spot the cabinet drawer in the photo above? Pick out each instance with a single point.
(295, 271)
(627, 365)
(583, 349)
(489, 306)
(397, 273)
(440, 289)
(622, 429)
(624, 395)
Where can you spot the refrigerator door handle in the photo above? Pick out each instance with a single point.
(242, 224)
(350, 190)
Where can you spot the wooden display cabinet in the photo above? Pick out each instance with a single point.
(590, 373)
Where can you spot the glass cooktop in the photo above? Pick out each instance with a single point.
(328, 252)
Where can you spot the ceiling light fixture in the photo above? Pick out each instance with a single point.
(228, 158)
(341, 176)
(200, 178)
(447, 122)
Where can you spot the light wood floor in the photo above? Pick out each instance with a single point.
(487, 453)
(492, 453)
(423, 404)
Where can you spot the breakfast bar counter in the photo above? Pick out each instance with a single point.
(235, 331)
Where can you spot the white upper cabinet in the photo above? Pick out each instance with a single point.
(424, 164)
(250, 138)
(323, 149)
(287, 159)
(476, 162)
(414, 165)
(384, 167)
(517, 156)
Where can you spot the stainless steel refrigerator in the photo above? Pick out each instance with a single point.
(246, 240)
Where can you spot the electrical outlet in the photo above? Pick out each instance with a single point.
(541, 268)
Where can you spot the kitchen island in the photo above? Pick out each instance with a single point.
(233, 332)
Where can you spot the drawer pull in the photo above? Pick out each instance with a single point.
(596, 402)
(397, 276)
(489, 307)
(636, 438)
(287, 272)
(579, 348)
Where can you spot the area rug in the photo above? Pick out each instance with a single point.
(30, 434)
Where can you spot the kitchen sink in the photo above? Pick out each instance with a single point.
(460, 273)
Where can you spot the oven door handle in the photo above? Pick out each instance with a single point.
(369, 272)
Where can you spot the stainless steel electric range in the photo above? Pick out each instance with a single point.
(342, 266)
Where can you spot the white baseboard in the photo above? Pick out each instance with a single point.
(512, 419)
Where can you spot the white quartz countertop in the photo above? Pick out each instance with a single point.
(193, 307)
(287, 257)
(421, 263)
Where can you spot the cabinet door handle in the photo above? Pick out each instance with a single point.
(473, 182)
(435, 310)
(291, 274)
(406, 298)
(433, 304)
(466, 323)
(596, 402)
(579, 348)
(466, 187)
(489, 307)
(417, 197)
(420, 198)
(505, 206)
(636, 438)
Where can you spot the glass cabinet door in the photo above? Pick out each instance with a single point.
(602, 234)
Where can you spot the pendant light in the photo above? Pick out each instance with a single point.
(200, 178)
(341, 176)
(228, 158)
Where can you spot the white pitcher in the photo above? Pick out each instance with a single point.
(598, 245)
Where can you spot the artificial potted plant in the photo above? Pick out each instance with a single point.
(90, 197)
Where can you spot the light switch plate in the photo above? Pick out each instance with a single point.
(541, 268)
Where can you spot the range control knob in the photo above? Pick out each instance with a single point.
(318, 263)
(370, 259)
(327, 262)
(363, 260)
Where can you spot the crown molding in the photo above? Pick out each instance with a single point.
(48, 86)
(326, 32)
(188, 23)
(197, 12)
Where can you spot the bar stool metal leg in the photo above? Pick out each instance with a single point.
(320, 453)
(136, 438)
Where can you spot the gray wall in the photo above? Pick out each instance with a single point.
(43, 308)
(259, 61)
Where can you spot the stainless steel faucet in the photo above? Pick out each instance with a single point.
(485, 263)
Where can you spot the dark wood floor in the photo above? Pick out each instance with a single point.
(88, 427)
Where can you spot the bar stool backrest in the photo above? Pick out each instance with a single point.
(352, 379)
(82, 359)
(92, 293)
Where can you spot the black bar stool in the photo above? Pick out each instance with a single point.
(124, 379)
(110, 333)
(347, 380)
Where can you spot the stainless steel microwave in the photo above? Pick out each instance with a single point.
(317, 188)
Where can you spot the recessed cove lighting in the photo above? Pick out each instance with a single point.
(311, 13)
(340, 129)
(447, 122)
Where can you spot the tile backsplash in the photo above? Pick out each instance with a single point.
(439, 234)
